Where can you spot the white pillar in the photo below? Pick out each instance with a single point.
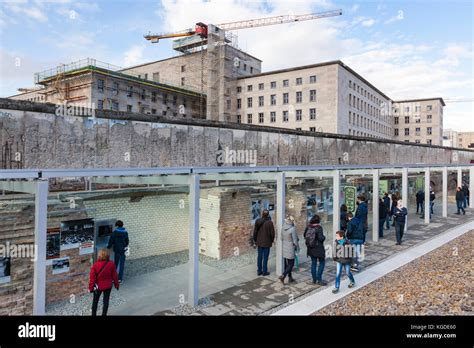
(41, 224)
(471, 187)
(427, 195)
(445, 192)
(280, 216)
(336, 218)
(405, 193)
(460, 177)
(375, 205)
(193, 277)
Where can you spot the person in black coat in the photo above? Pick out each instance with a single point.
(382, 216)
(119, 242)
(263, 236)
(420, 198)
(386, 201)
(314, 239)
(460, 201)
(343, 218)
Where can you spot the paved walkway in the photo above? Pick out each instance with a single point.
(265, 295)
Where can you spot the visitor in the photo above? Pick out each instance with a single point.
(314, 239)
(342, 254)
(361, 213)
(290, 247)
(400, 214)
(465, 190)
(420, 198)
(383, 213)
(432, 198)
(343, 218)
(119, 242)
(355, 234)
(395, 198)
(103, 274)
(386, 201)
(460, 201)
(263, 236)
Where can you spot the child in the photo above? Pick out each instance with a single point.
(342, 254)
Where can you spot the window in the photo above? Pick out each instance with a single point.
(395, 132)
(407, 109)
(251, 69)
(260, 101)
(299, 115)
(142, 95)
(100, 85)
(183, 80)
(153, 97)
(129, 91)
(153, 111)
(298, 129)
(428, 141)
(239, 103)
(417, 108)
(272, 117)
(175, 100)
(299, 81)
(429, 130)
(260, 117)
(299, 97)
(239, 89)
(115, 106)
(417, 119)
(249, 118)
(156, 76)
(312, 129)
(273, 84)
(407, 131)
(417, 141)
(350, 99)
(228, 104)
(245, 67)
(417, 131)
(249, 102)
(312, 79)
(115, 88)
(129, 108)
(429, 118)
(285, 98)
(312, 114)
(350, 83)
(165, 98)
(407, 119)
(273, 99)
(429, 107)
(183, 68)
(285, 116)
(100, 104)
(163, 112)
(312, 95)
(249, 88)
(261, 86)
(239, 119)
(286, 83)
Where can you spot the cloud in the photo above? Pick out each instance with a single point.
(364, 21)
(134, 55)
(24, 8)
(398, 17)
(368, 22)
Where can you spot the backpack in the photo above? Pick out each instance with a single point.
(310, 237)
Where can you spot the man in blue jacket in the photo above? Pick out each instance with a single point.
(361, 213)
(119, 241)
(355, 234)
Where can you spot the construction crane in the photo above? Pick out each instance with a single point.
(201, 29)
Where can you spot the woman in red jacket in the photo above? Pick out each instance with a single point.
(103, 273)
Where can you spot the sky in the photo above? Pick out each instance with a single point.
(407, 49)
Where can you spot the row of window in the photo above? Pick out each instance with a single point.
(38, 98)
(365, 122)
(142, 109)
(273, 84)
(429, 131)
(363, 106)
(417, 108)
(429, 119)
(273, 99)
(273, 116)
(363, 134)
(365, 93)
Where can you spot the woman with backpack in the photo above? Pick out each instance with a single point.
(102, 275)
(290, 247)
(342, 254)
(314, 239)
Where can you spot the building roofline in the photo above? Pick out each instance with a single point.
(317, 65)
(421, 99)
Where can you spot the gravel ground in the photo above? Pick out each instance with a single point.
(82, 305)
(185, 309)
(438, 283)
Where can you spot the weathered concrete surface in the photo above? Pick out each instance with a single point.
(32, 136)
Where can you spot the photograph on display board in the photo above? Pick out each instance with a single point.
(5, 263)
(53, 243)
(61, 265)
(76, 232)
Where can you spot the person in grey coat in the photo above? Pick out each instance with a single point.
(290, 247)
